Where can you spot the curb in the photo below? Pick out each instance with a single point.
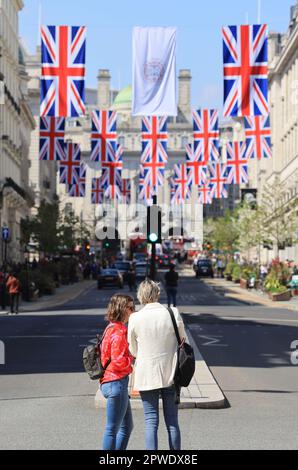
(232, 293)
(54, 304)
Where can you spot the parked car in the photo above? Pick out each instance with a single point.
(123, 267)
(109, 277)
(139, 257)
(203, 267)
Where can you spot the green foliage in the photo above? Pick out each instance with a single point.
(222, 233)
(229, 268)
(236, 273)
(277, 278)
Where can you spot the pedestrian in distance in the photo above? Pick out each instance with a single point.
(152, 341)
(131, 279)
(14, 288)
(171, 279)
(115, 356)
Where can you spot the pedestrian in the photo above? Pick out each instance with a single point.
(171, 278)
(14, 288)
(114, 384)
(3, 288)
(152, 341)
(131, 278)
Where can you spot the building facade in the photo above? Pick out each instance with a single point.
(180, 132)
(42, 175)
(16, 125)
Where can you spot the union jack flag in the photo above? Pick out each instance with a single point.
(103, 136)
(126, 191)
(181, 182)
(51, 139)
(258, 137)
(197, 169)
(70, 167)
(205, 194)
(154, 148)
(97, 191)
(218, 180)
(112, 175)
(63, 71)
(206, 134)
(79, 189)
(146, 191)
(237, 170)
(245, 56)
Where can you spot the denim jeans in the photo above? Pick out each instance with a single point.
(150, 400)
(172, 294)
(119, 418)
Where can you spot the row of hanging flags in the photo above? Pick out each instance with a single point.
(245, 59)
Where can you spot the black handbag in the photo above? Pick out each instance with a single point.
(186, 363)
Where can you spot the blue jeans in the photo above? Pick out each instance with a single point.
(150, 400)
(172, 294)
(119, 423)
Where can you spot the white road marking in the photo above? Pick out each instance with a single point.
(213, 340)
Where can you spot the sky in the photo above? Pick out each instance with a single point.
(109, 29)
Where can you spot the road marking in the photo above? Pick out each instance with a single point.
(213, 340)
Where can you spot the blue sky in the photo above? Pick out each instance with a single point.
(199, 46)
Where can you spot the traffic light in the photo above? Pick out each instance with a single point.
(87, 247)
(153, 224)
(107, 244)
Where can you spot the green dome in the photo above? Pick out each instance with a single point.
(124, 98)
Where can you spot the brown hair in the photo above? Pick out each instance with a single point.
(117, 307)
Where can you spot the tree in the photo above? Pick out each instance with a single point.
(43, 228)
(250, 228)
(71, 231)
(222, 233)
(280, 218)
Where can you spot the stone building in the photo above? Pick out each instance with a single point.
(16, 125)
(129, 136)
(42, 174)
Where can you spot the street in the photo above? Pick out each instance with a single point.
(47, 401)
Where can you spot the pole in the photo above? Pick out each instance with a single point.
(153, 250)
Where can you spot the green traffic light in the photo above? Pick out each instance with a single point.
(153, 237)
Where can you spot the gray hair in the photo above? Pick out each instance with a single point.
(148, 292)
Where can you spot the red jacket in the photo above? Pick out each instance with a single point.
(13, 285)
(115, 347)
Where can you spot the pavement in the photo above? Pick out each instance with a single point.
(62, 295)
(251, 297)
(230, 290)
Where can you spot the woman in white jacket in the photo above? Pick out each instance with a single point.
(152, 341)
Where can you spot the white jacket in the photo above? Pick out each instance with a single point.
(152, 340)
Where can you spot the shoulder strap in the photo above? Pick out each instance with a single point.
(174, 325)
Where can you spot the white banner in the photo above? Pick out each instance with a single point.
(154, 72)
(2, 100)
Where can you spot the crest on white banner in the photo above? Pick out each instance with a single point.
(154, 72)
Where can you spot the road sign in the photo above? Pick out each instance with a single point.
(5, 234)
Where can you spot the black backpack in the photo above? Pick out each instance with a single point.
(186, 362)
(92, 359)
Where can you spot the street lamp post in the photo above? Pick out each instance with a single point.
(27, 289)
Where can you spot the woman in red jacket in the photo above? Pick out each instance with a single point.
(114, 348)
